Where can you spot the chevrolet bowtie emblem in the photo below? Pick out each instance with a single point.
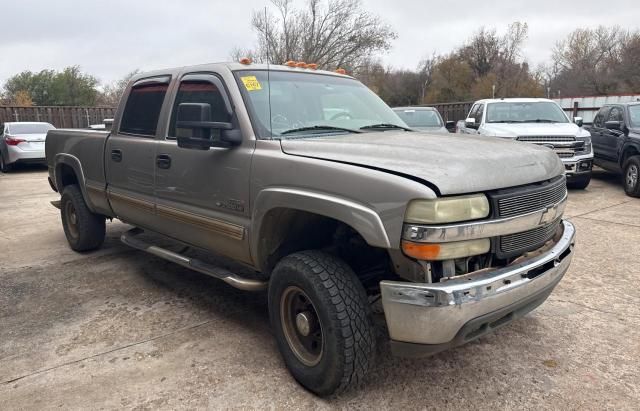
(548, 215)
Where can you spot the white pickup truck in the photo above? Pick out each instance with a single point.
(538, 121)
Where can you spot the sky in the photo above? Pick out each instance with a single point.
(109, 39)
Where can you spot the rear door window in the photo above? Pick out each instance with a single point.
(142, 111)
(615, 114)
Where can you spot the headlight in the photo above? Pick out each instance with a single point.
(587, 143)
(448, 209)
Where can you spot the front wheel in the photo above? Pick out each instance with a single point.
(322, 321)
(581, 182)
(631, 176)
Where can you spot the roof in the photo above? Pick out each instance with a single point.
(628, 103)
(424, 108)
(26, 122)
(514, 100)
(233, 66)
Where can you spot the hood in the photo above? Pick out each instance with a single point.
(32, 138)
(530, 129)
(454, 163)
(436, 129)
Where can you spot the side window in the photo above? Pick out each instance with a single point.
(479, 113)
(473, 111)
(142, 111)
(615, 114)
(198, 91)
(598, 121)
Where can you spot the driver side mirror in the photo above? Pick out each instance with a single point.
(451, 126)
(578, 121)
(195, 130)
(613, 125)
(470, 122)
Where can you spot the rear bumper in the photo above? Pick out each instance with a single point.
(17, 155)
(427, 318)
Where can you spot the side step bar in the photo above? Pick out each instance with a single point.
(129, 238)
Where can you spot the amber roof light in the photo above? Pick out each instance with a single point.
(245, 60)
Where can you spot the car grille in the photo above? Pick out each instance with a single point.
(546, 139)
(528, 240)
(565, 154)
(530, 198)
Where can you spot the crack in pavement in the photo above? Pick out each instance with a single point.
(618, 315)
(599, 209)
(608, 221)
(45, 370)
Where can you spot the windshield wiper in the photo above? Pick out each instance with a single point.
(320, 128)
(506, 121)
(540, 120)
(384, 126)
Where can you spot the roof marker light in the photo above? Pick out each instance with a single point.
(245, 60)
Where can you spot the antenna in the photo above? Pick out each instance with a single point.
(266, 30)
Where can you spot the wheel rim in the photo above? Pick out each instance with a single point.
(632, 176)
(71, 218)
(301, 326)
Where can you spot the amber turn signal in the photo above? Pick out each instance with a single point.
(446, 251)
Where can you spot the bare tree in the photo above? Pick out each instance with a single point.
(331, 33)
(112, 93)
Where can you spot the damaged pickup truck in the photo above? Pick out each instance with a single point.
(309, 179)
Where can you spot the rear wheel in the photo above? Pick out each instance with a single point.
(4, 167)
(580, 182)
(322, 321)
(631, 176)
(84, 230)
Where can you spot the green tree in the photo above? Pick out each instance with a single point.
(69, 87)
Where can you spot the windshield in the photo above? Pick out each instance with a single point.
(419, 118)
(530, 112)
(634, 115)
(27, 128)
(304, 104)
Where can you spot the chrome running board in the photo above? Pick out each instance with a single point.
(129, 238)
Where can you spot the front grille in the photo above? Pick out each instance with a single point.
(545, 139)
(565, 154)
(530, 198)
(528, 240)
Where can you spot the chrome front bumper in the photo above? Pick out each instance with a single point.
(578, 165)
(436, 314)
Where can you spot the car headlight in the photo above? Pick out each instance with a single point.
(587, 143)
(448, 209)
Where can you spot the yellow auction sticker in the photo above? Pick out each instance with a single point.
(251, 83)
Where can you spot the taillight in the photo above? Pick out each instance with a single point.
(13, 141)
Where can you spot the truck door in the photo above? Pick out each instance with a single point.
(597, 138)
(203, 195)
(129, 153)
(612, 137)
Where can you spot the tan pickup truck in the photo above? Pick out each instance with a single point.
(309, 179)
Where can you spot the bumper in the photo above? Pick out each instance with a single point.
(427, 318)
(578, 166)
(17, 155)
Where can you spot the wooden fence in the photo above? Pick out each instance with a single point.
(453, 111)
(59, 116)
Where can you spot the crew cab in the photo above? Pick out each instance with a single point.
(424, 119)
(616, 142)
(312, 181)
(538, 121)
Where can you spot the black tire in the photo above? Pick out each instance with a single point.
(631, 176)
(4, 167)
(580, 182)
(84, 230)
(342, 314)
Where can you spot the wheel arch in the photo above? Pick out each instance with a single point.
(67, 171)
(629, 150)
(282, 215)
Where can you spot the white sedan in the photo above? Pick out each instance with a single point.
(22, 142)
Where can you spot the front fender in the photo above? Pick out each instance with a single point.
(360, 217)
